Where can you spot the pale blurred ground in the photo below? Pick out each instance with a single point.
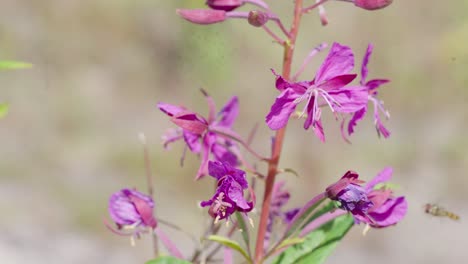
(100, 67)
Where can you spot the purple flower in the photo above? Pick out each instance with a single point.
(130, 209)
(198, 134)
(327, 88)
(371, 88)
(376, 207)
(229, 196)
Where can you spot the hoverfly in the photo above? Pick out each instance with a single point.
(437, 210)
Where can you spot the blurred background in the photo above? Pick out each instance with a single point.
(71, 137)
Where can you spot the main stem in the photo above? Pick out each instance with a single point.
(279, 137)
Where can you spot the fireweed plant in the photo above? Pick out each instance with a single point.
(307, 234)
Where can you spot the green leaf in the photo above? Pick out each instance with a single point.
(291, 241)
(319, 244)
(3, 110)
(231, 244)
(11, 65)
(305, 218)
(167, 260)
(245, 230)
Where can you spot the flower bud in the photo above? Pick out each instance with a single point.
(258, 18)
(130, 207)
(202, 16)
(225, 5)
(372, 4)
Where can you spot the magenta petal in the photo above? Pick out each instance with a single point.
(358, 116)
(337, 82)
(350, 100)
(170, 110)
(383, 176)
(236, 194)
(365, 62)
(202, 16)
(226, 5)
(340, 60)
(205, 152)
(376, 83)
(318, 130)
(381, 129)
(282, 84)
(311, 115)
(190, 121)
(216, 169)
(390, 213)
(281, 109)
(229, 112)
(222, 153)
(193, 141)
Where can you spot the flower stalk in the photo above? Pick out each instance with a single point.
(279, 137)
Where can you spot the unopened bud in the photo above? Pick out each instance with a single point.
(258, 18)
(202, 16)
(225, 5)
(372, 4)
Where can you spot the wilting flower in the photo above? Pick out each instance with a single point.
(371, 88)
(374, 206)
(198, 134)
(220, 11)
(229, 196)
(327, 88)
(131, 211)
(371, 4)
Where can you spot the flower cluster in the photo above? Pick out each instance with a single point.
(372, 204)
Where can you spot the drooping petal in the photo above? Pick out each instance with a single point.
(193, 141)
(340, 60)
(169, 109)
(358, 116)
(383, 176)
(229, 112)
(190, 121)
(390, 213)
(281, 109)
(365, 62)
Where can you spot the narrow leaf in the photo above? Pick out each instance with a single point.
(11, 65)
(320, 243)
(291, 241)
(167, 260)
(231, 244)
(3, 110)
(289, 170)
(245, 230)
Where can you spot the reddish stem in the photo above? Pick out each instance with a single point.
(278, 142)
